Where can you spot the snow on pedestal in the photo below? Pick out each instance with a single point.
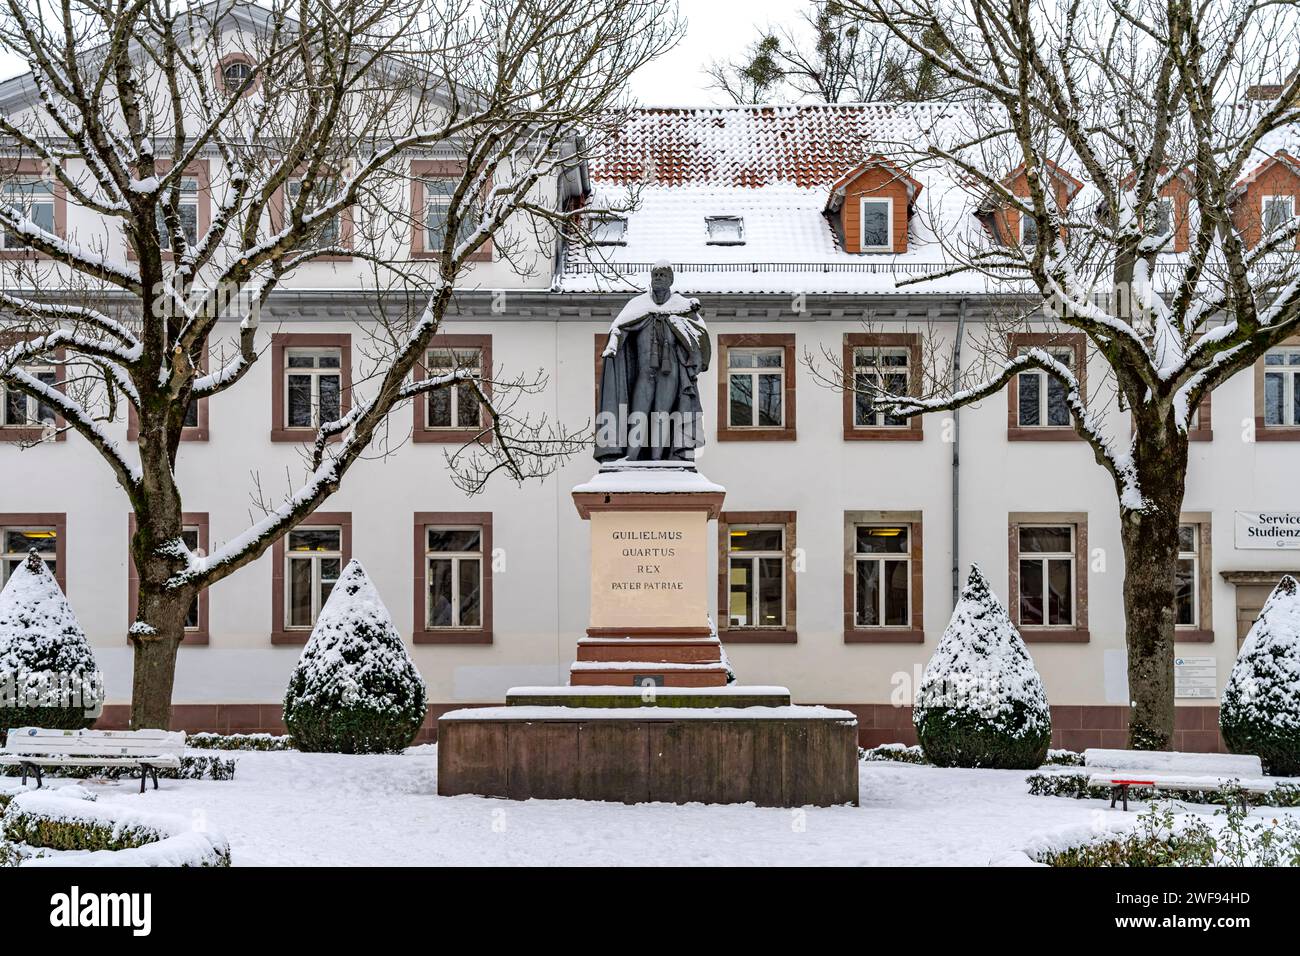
(981, 702)
(1260, 709)
(355, 689)
(45, 654)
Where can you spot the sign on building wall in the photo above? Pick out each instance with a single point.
(1195, 677)
(1268, 530)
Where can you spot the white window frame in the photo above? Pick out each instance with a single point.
(1025, 218)
(1066, 356)
(469, 214)
(889, 223)
(315, 557)
(1195, 557)
(710, 221)
(753, 374)
(32, 405)
(6, 555)
(752, 559)
(434, 370)
(193, 529)
(293, 186)
(1290, 375)
(316, 373)
(878, 371)
(1264, 203)
(1044, 557)
(455, 558)
(1167, 203)
(860, 557)
(26, 203)
(226, 85)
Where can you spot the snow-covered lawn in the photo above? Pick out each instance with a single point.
(291, 808)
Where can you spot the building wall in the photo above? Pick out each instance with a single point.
(541, 589)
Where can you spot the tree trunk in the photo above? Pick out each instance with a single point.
(1150, 540)
(155, 674)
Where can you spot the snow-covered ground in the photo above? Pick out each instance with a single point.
(289, 808)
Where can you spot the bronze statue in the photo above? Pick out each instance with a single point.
(649, 406)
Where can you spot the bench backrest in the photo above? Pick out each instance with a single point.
(94, 743)
(1166, 761)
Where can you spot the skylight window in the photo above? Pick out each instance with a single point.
(725, 230)
(609, 230)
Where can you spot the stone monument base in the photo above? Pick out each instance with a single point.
(771, 756)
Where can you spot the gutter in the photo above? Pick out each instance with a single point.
(956, 456)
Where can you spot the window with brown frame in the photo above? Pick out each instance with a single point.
(453, 577)
(28, 185)
(433, 183)
(195, 533)
(196, 414)
(1037, 409)
(454, 415)
(24, 418)
(884, 597)
(1048, 590)
(305, 564)
(311, 383)
(890, 361)
(756, 577)
(337, 232)
(756, 387)
(1277, 393)
(232, 71)
(194, 207)
(1193, 609)
(44, 532)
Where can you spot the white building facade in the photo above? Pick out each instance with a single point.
(844, 533)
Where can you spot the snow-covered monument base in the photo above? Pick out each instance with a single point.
(652, 712)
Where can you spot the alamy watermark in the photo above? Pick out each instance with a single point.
(53, 689)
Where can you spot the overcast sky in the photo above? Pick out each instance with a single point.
(715, 29)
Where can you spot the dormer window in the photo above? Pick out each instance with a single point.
(877, 217)
(1278, 212)
(1160, 217)
(609, 231)
(725, 230)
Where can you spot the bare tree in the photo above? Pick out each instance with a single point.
(830, 57)
(1120, 130)
(315, 126)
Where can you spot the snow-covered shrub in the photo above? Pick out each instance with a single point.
(355, 689)
(981, 703)
(193, 767)
(897, 753)
(1161, 836)
(93, 834)
(48, 676)
(262, 742)
(1260, 710)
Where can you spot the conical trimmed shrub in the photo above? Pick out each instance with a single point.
(981, 703)
(355, 689)
(48, 676)
(1260, 710)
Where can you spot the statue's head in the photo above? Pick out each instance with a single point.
(661, 281)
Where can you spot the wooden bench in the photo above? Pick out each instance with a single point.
(1171, 770)
(151, 750)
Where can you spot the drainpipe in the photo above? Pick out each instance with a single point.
(956, 456)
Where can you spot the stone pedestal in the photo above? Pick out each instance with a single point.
(648, 714)
(650, 547)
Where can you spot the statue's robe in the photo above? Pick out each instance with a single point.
(678, 335)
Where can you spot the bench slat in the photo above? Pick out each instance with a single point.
(1168, 781)
(14, 760)
(94, 743)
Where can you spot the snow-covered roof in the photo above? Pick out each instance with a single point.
(776, 167)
